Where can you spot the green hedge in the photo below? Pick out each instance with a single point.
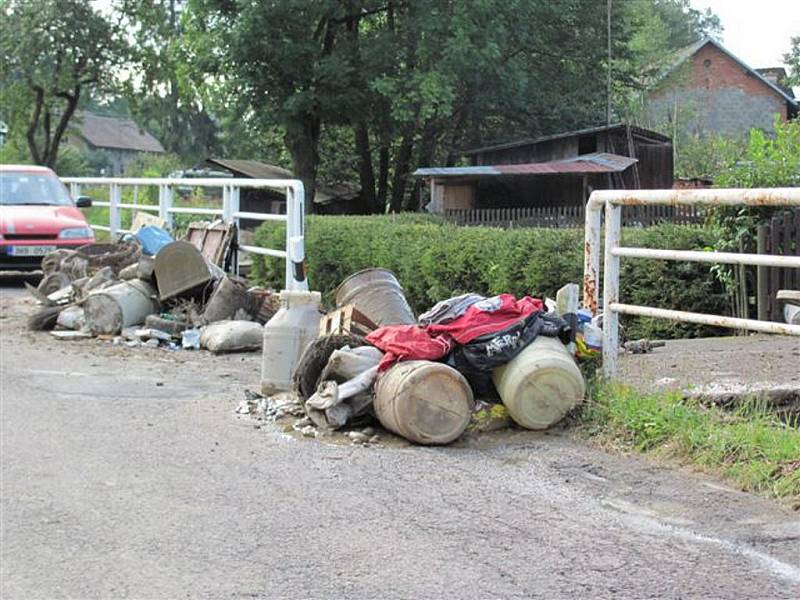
(434, 260)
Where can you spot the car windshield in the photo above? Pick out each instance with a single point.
(25, 188)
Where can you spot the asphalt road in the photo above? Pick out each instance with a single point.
(126, 473)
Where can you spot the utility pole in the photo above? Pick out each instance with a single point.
(608, 74)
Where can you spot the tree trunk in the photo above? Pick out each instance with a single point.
(61, 128)
(302, 140)
(30, 135)
(383, 177)
(426, 152)
(401, 164)
(366, 173)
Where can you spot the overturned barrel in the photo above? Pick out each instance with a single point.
(425, 402)
(541, 384)
(377, 294)
(109, 310)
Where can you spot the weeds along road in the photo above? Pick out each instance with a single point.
(126, 473)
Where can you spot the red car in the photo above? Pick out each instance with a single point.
(37, 215)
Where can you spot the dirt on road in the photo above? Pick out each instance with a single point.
(127, 473)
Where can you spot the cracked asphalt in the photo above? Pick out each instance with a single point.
(126, 474)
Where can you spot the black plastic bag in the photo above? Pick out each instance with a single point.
(492, 350)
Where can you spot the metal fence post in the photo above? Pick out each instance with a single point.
(226, 203)
(295, 238)
(165, 203)
(230, 206)
(114, 222)
(611, 290)
(591, 256)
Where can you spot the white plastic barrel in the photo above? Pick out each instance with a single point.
(425, 402)
(286, 335)
(541, 384)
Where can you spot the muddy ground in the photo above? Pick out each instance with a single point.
(724, 370)
(127, 473)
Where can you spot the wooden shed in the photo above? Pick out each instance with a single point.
(554, 171)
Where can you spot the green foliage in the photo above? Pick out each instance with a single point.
(764, 162)
(375, 89)
(652, 32)
(161, 97)
(434, 260)
(52, 52)
(768, 161)
(750, 446)
(792, 60)
(706, 158)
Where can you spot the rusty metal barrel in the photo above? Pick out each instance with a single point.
(377, 294)
(425, 402)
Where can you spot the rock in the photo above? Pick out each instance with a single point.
(357, 437)
(304, 422)
(152, 343)
(368, 431)
(169, 325)
(71, 335)
(309, 431)
(129, 272)
(374, 439)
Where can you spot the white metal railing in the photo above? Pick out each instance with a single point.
(612, 202)
(294, 255)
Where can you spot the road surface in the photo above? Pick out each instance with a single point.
(127, 474)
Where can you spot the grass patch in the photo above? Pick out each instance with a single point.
(749, 447)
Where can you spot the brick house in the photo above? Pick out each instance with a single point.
(707, 90)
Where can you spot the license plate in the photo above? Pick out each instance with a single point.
(30, 250)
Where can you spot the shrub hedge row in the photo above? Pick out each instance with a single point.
(434, 260)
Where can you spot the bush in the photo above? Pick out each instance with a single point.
(434, 260)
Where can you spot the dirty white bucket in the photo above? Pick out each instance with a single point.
(127, 303)
(286, 335)
(541, 384)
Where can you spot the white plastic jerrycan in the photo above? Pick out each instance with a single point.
(286, 335)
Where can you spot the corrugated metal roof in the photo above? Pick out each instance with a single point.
(654, 135)
(597, 162)
(255, 169)
(115, 132)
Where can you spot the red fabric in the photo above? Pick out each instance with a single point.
(409, 342)
(487, 316)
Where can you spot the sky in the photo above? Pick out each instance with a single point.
(758, 32)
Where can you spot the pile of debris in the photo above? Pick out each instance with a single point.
(149, 289)
(468, 362)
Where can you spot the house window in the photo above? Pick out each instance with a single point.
(707, 63)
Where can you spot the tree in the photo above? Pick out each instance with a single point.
(653, 31)
(53, 52)
(374, 88)
(282, 63)
(792, 60)
(161, 98)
